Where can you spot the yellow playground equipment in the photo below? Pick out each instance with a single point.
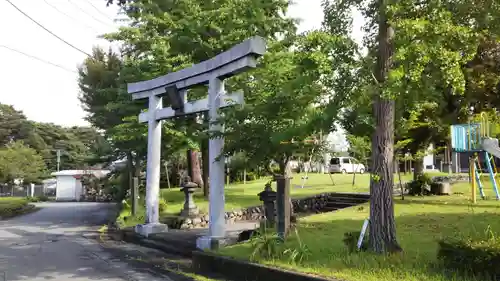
(475, 137)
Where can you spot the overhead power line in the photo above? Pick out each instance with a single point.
(83, 11)
(44, 28)
(37, 58)
(70, 17)
(97, 9)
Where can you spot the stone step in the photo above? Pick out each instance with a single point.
(348, 199)
(176, 243)
(349, 195)
(183, 242)
(330, 209)
(339, 205)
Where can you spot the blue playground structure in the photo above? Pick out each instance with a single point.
(475, 137)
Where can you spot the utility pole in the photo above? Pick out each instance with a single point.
(58, 153)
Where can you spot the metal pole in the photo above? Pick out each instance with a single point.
(473, 179)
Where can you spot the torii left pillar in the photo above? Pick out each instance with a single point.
(153, 224)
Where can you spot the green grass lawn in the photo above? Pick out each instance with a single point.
(245, 195)
(421, 222)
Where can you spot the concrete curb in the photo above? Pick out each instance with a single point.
(132, 237)
(236, 269)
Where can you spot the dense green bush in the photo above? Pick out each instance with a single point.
(351, 241)
(162, 206)
(43, 198)
(479, 258)
(33, 199)
(10, 207)
(420, 186)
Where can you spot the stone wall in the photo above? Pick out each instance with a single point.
(313, 204)
(451, 178)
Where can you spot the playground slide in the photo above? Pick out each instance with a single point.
(490, 145)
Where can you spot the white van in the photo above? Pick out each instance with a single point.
(346, 165)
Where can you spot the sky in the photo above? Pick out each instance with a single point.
(46, 93)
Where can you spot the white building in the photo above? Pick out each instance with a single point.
(69, 183)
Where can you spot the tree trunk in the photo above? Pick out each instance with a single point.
(167, 174)
(205, 162)
(130, 171)
(287, 173)
(193, 167)
(382, 223)
(401, 187)
(205, 165)
(418, 168)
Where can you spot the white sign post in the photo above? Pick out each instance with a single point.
(363, 232)
(175, 85)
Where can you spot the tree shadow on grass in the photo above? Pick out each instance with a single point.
(441, 201)
(418, 234)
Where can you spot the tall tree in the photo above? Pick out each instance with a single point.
(170, 35)
(424, 59)
(290, 99)
(18, 161)
(107, 106)
(111, 109)
(13, 124)
(382, 224)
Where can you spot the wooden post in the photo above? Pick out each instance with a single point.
(283, 205)
(473, 179)
(133, 194)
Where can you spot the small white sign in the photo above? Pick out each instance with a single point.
(362, 234)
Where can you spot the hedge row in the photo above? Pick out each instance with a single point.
(10, 207)
(480, 258)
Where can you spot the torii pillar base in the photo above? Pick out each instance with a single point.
(213, 243)
(150, 228)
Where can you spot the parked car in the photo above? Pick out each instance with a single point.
(346, 165)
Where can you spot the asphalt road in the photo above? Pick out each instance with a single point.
(50, 245)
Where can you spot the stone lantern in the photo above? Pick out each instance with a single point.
(268, 196)
(190, 209)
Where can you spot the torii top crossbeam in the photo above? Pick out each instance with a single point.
(238, 59)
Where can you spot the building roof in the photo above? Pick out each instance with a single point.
(96, 173)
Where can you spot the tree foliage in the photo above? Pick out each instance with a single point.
(80, 147)
(428, 49)
(17, 161)
(290, 98)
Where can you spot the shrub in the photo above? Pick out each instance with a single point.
(299, 253)
(32, 199)
(351, 241)
(12, 207)
(478, 258)
(420, 186)
(43, 198)
(162, 206)
(266, 246)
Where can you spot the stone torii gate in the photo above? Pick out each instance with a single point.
(175, 85)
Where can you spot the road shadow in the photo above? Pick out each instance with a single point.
(49, 245)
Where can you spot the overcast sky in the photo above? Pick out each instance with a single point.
(47, 93)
